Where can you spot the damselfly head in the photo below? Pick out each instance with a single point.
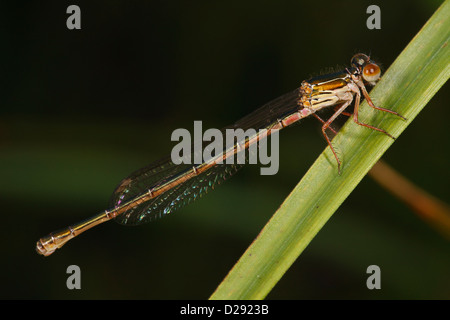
(368, 69)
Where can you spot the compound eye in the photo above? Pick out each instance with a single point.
(371, 72)
(359, 60)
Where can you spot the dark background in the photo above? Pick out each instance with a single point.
(81, 109)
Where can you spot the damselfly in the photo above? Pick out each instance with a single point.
(162, 187)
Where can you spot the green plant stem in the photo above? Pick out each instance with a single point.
(412, 80)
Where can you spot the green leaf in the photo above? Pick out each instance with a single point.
(412, 80)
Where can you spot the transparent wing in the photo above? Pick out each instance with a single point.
(159, 173)
(173, 199)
